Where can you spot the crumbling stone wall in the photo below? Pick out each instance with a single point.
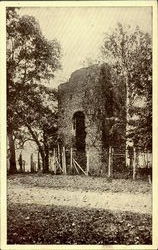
(89, 91)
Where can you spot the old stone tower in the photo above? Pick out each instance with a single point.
(85, 106)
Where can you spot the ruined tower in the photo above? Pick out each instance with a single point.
(85, 105)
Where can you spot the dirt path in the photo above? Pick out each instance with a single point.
(139, 203)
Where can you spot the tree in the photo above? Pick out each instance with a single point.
(12, 19)
(31, 58)
(130, 55)
(40, 122)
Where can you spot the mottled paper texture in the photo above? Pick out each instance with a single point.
(80, 28)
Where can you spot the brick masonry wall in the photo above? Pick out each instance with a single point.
(83, 93)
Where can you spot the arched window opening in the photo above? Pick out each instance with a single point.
(79, 129)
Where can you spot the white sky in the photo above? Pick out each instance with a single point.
(80, 30)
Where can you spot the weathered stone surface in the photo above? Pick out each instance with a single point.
(88, 91)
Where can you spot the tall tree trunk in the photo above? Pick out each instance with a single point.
(40, 147)
(46, 153)
(32, 164)
(45, 160)
(39, 163)
(12, 169)
(41, 151)
(44, 150)
(46, 163)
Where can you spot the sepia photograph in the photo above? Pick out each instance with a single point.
(79, 103)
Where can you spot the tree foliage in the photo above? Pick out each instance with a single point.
(41, 120)
(31, 60)
(129, 52)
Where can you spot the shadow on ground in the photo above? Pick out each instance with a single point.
(32, 224)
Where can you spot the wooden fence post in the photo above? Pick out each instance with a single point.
(71, 155)
(87, 171)
(112, 160)
(134, 163)
(109, 161)
(64, 161)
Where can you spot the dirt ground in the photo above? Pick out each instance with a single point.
(80, 182)
(56, 190)
(47, 209)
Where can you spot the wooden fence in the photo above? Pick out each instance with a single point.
(138, 160)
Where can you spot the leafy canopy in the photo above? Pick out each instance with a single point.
(31, 58)
(31, 62)
(129, 52)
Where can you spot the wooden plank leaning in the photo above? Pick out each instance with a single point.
(79, 167)
(75, 168)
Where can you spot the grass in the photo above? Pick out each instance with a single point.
(36, 224)
(80, 182)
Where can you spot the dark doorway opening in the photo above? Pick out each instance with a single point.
(80, 138)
